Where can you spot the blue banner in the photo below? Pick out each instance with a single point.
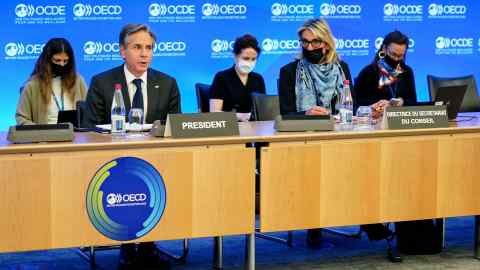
(194, 38)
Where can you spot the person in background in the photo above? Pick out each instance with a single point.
(53, 86)
(232, 88)
(387, 80)
(152, 91)
(312, 83)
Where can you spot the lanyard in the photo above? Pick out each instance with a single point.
(61, 100)
(393, 90)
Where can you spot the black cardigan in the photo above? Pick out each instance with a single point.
(366, 91)
(286, 86)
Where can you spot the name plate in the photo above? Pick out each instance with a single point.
(194, 125)
(415, 117)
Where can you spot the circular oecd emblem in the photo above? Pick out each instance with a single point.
(440, 43)
(217, 45)
(11, 49)
(276, 9)
(89, 47)
(126, 198)
(325, 9)
(378, 43)
(154, 9)
(21, 10)
(79, 10)
(207, 9)
(388, 9)
(267, 44)
(433, 10)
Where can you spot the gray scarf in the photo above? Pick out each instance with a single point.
(317, 84)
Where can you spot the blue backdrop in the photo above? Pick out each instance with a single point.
(195, 36)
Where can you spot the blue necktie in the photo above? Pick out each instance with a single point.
(138, 97)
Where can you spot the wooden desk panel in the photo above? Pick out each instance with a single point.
(360, 181)
(210, 192)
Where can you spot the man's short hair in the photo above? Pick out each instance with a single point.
(133, 28)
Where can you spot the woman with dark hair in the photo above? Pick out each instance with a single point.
(53, 86)
(387, 81)
(232, 88)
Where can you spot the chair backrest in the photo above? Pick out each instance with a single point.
(81, 107)
(265, 107)
(203, 97)
(471, 100)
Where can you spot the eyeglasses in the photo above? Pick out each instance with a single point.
(314, 42)
(394, 55)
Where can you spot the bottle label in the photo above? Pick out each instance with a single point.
(118, 123)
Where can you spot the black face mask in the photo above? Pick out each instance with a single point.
(58, 70)
(391, 62)
(313, 56)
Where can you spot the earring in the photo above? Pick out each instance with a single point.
(381, 54)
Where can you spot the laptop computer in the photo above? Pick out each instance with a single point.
(452, 97)
(69, 116)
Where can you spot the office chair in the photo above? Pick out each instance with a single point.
(265, 107)
(471, 100)
(203, 95)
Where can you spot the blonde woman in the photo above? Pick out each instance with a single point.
(311, 84)
(53, 86)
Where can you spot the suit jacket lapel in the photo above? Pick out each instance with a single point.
(152, 94)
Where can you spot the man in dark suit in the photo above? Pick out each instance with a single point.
(159, 93)
(142, 87)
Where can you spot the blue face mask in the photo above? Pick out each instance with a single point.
(245, 67)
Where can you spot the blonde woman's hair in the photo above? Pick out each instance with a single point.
(321, 30)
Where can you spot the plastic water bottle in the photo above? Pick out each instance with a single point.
(118, 112)
(346, 104)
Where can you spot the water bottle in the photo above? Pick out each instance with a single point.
(346, 104)
(118, 112)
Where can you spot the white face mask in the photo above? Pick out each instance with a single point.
(245, 67)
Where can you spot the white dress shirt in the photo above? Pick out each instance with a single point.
(132, 89)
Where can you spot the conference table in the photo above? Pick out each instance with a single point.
(308, 180)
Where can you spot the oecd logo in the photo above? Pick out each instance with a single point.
(278, 9)
(170, 46)
(92, 47)
(79, 10)
(20, 49)
(270, 45)
(22, 10)
(400, 10)
(332, 9)
(341, 44)
(83, 10)
(446, 43)
(126, 198)
(156, 9)
(437, 10)
(12, 49)
(219, 45)
(209, 9)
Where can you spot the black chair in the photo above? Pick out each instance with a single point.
(471, 100)
(265, 107)
(81, 107)
(203, 96)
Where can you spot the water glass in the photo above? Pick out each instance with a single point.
(135, 122)
(364, 116)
